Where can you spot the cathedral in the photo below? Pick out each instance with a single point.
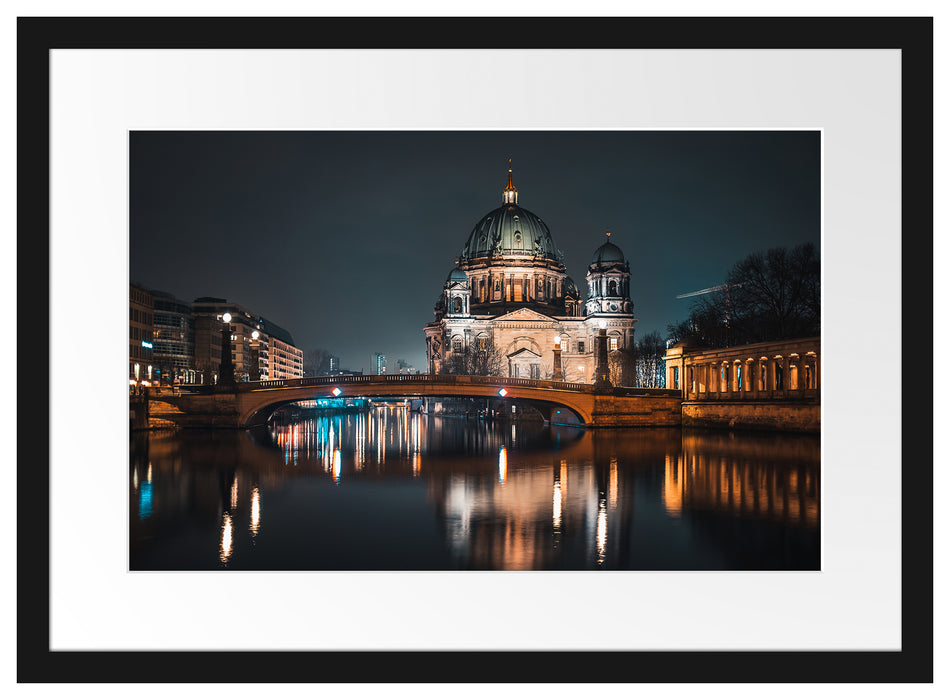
(509, 304)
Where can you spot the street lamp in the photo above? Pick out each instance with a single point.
(255, 355)
(602, 373)
(227, 362)
(558, 372)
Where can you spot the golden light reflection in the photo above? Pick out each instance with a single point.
(360, 457)
(337, 465)
(601, 531)
(224, 550)
(502, 465)
(416, 463)
(135, 478)
(556, 516)
(234, 493)
(740, 485)
(673, 486)
(148, 477)
(255, 511)
(612, 481)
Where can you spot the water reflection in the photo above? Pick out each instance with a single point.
(391, 489)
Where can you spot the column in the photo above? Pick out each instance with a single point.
(785, 377)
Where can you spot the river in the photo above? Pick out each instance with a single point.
(391, 489)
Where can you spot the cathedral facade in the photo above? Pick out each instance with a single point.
(509, 303)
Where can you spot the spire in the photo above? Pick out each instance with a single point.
(510, 195)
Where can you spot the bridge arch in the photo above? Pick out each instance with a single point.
(256, 401)
(257, 405)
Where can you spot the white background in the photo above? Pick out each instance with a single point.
(234, 90)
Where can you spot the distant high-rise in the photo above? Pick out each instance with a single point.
(380, 363)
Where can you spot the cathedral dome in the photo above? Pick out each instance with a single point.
(511, 230)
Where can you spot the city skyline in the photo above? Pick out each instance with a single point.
(345, 238)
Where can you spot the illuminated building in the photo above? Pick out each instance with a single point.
(140, 334)
(173, 339)
(272, 354)
(510, 291)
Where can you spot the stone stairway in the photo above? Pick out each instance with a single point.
(165, 415)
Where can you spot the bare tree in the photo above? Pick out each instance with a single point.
(649, 361)
(623, 366)
(479, 358)
(771, 295)
(316, 362)
(776, 295)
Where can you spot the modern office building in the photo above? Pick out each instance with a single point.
(173, 343)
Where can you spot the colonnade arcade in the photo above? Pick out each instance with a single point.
(785, 369)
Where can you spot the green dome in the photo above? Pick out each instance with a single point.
(570, 289)
(457, 275)
(607, 253)
(511, 230)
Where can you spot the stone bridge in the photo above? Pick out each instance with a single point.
(246, 404)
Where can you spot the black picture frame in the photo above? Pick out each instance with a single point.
(38, 36)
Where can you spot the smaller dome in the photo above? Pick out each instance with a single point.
(457, 275)
(570, 289)
(607, 253)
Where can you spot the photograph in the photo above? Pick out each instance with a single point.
(475, 350)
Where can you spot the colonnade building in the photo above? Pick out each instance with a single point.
(773, 370)
(510, 293)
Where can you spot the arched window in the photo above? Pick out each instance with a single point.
(457, 343)
(612, 288)
(457, 305)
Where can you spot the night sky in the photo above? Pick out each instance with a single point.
(344, 238)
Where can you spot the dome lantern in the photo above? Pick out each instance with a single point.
(510, 194)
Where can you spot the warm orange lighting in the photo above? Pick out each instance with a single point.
(601, 531)
(337, 465)
(227, 542)
(255, 511)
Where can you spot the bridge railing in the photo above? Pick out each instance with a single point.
(408, 379)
